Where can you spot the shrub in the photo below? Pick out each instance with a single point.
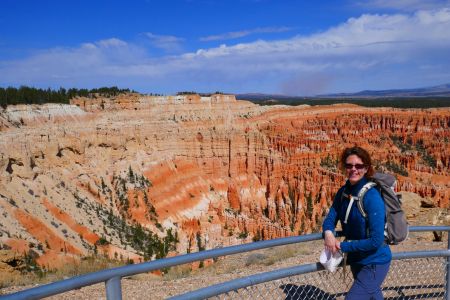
(243, 235)
(102, 241)
(396, 168)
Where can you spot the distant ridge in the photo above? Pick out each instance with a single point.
(442, 90)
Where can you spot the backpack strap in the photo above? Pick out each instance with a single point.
(349, 207)
(362, 192)
(359, 200)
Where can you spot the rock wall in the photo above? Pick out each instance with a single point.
(213, 170)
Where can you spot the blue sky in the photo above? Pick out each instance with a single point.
(235, 46)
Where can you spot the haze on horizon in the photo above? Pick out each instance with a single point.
(238, 46)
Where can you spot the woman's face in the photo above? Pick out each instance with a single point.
(355, 168)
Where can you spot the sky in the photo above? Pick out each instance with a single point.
(298, 48)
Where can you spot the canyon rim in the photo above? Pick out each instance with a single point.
(140, 177)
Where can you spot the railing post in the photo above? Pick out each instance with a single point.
(113, 289)
(447, 283)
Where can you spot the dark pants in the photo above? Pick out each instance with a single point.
(367, 282)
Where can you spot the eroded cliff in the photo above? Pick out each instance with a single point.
(139, 177)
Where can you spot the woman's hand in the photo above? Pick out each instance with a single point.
(330, 242)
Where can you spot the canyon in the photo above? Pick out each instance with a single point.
(138, 177)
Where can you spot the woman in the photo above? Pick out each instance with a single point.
(368, 256)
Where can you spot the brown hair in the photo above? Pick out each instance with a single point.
(362, 154)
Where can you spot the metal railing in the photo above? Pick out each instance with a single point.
(299, 282)
(413, 275)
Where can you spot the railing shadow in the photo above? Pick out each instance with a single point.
(426, 295)
(307, 291)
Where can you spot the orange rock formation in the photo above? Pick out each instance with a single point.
(213, 170)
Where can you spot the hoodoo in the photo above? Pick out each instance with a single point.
(138, 177)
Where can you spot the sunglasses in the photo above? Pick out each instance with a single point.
(357, 166)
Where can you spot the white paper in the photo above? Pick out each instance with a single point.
(330, 261)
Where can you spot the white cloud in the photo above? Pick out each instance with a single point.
(406, 5)
(168, 43)
(113, 42)
(243, 33)
(88, 61)
(370, 51)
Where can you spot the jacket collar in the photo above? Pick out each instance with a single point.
(354, 189)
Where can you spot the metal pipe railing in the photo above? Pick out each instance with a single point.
(113, 289)
(244, 282)
(221, 288)
(129, 270)
(112, 277)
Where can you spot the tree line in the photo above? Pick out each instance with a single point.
(183, 93)
(399, 102)
(31, 95)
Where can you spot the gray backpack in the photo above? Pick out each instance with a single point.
(396, 227)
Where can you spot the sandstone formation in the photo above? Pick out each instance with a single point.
(207, 172)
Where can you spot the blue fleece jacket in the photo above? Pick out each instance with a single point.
(365, 237)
